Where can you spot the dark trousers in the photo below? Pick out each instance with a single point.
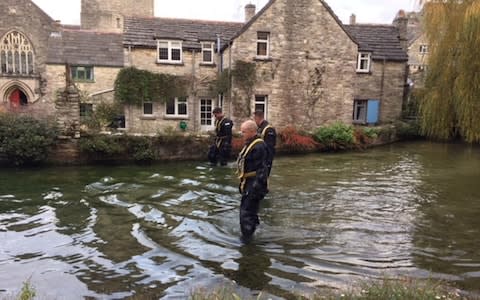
(249, 207)
(221, 154)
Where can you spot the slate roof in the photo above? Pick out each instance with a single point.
(269, 3)
(382, 40)
(82, 47)
(143, 32)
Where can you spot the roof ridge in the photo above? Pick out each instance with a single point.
(189, 20)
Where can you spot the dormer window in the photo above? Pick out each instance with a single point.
(207, 53)
(263, 44)
(169, 51)
(363, 62)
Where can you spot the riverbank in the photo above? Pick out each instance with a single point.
(117, 147)
(399, 289)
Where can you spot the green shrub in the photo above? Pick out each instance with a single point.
(102, 145)
(336, 136)
(371, 132)
(142, 149)
(408, 130)
(25, 140)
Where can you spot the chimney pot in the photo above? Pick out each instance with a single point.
(353, 19)
(249, 11)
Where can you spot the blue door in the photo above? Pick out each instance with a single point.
(373, 109)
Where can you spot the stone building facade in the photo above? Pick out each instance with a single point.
(311, 69)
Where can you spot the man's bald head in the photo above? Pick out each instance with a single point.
(248, 129)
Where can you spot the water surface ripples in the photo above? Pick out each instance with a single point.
(163, 231)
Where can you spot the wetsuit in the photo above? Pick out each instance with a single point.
(267, 133)
(253, 174)
(221, 149)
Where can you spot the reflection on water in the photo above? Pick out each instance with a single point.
(162, 231)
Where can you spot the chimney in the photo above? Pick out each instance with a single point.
(353, 19)
(401, 22)
(249, 11)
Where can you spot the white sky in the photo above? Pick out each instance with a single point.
(367, 11)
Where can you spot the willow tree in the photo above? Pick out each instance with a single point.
(451, 103)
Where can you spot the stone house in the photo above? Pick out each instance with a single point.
(310, 69)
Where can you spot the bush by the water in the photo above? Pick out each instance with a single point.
(294, 141)
(108, 147)
(25, 140)
(336, 136)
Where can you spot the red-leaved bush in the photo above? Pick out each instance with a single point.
(293, 141)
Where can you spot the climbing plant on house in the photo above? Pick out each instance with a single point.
(313, 92)
(222, 83)
(134, 86)
(450, 106)
(244, 78)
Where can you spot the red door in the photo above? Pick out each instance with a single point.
(15, 99)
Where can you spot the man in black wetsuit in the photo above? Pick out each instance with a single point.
(268, 134)
(253, 174)
(222, 147)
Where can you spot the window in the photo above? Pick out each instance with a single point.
(366, 111)
(263, 44)
(176, 107)
(169, 51)
(363, 63)
(147, 108)
(16, 54)
(207, 53)
(360, 111)
(261, 103)
(82, 73)
(206, 118)
(423, 49)
(86, 110)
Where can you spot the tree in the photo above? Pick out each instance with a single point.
(450, 107)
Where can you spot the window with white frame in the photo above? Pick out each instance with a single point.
(261, 103)
(423, 49)
(176, 107)
(360, 111)
(169, 51)
(207, 53)
(363, 63)
(147, 108)
(263, 44)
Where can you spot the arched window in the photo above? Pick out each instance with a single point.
(16, 54)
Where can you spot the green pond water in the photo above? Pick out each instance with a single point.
(165, 230)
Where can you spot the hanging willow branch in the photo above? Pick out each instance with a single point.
(450, 107)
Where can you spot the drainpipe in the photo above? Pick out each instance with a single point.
(382, 90)
(230, 78)
(194, 93)
(220, 64)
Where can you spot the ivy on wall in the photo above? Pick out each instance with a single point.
(134, 86)
(245, 76)
(221, 84)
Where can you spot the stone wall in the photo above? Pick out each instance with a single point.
(199, 77)
(385, 82)
(108, 15)
(309, 78)
(25, 17)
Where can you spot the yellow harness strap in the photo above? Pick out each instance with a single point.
(241, 164)
(218, 140)
(264, 131)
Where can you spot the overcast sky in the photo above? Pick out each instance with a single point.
(367, 11)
